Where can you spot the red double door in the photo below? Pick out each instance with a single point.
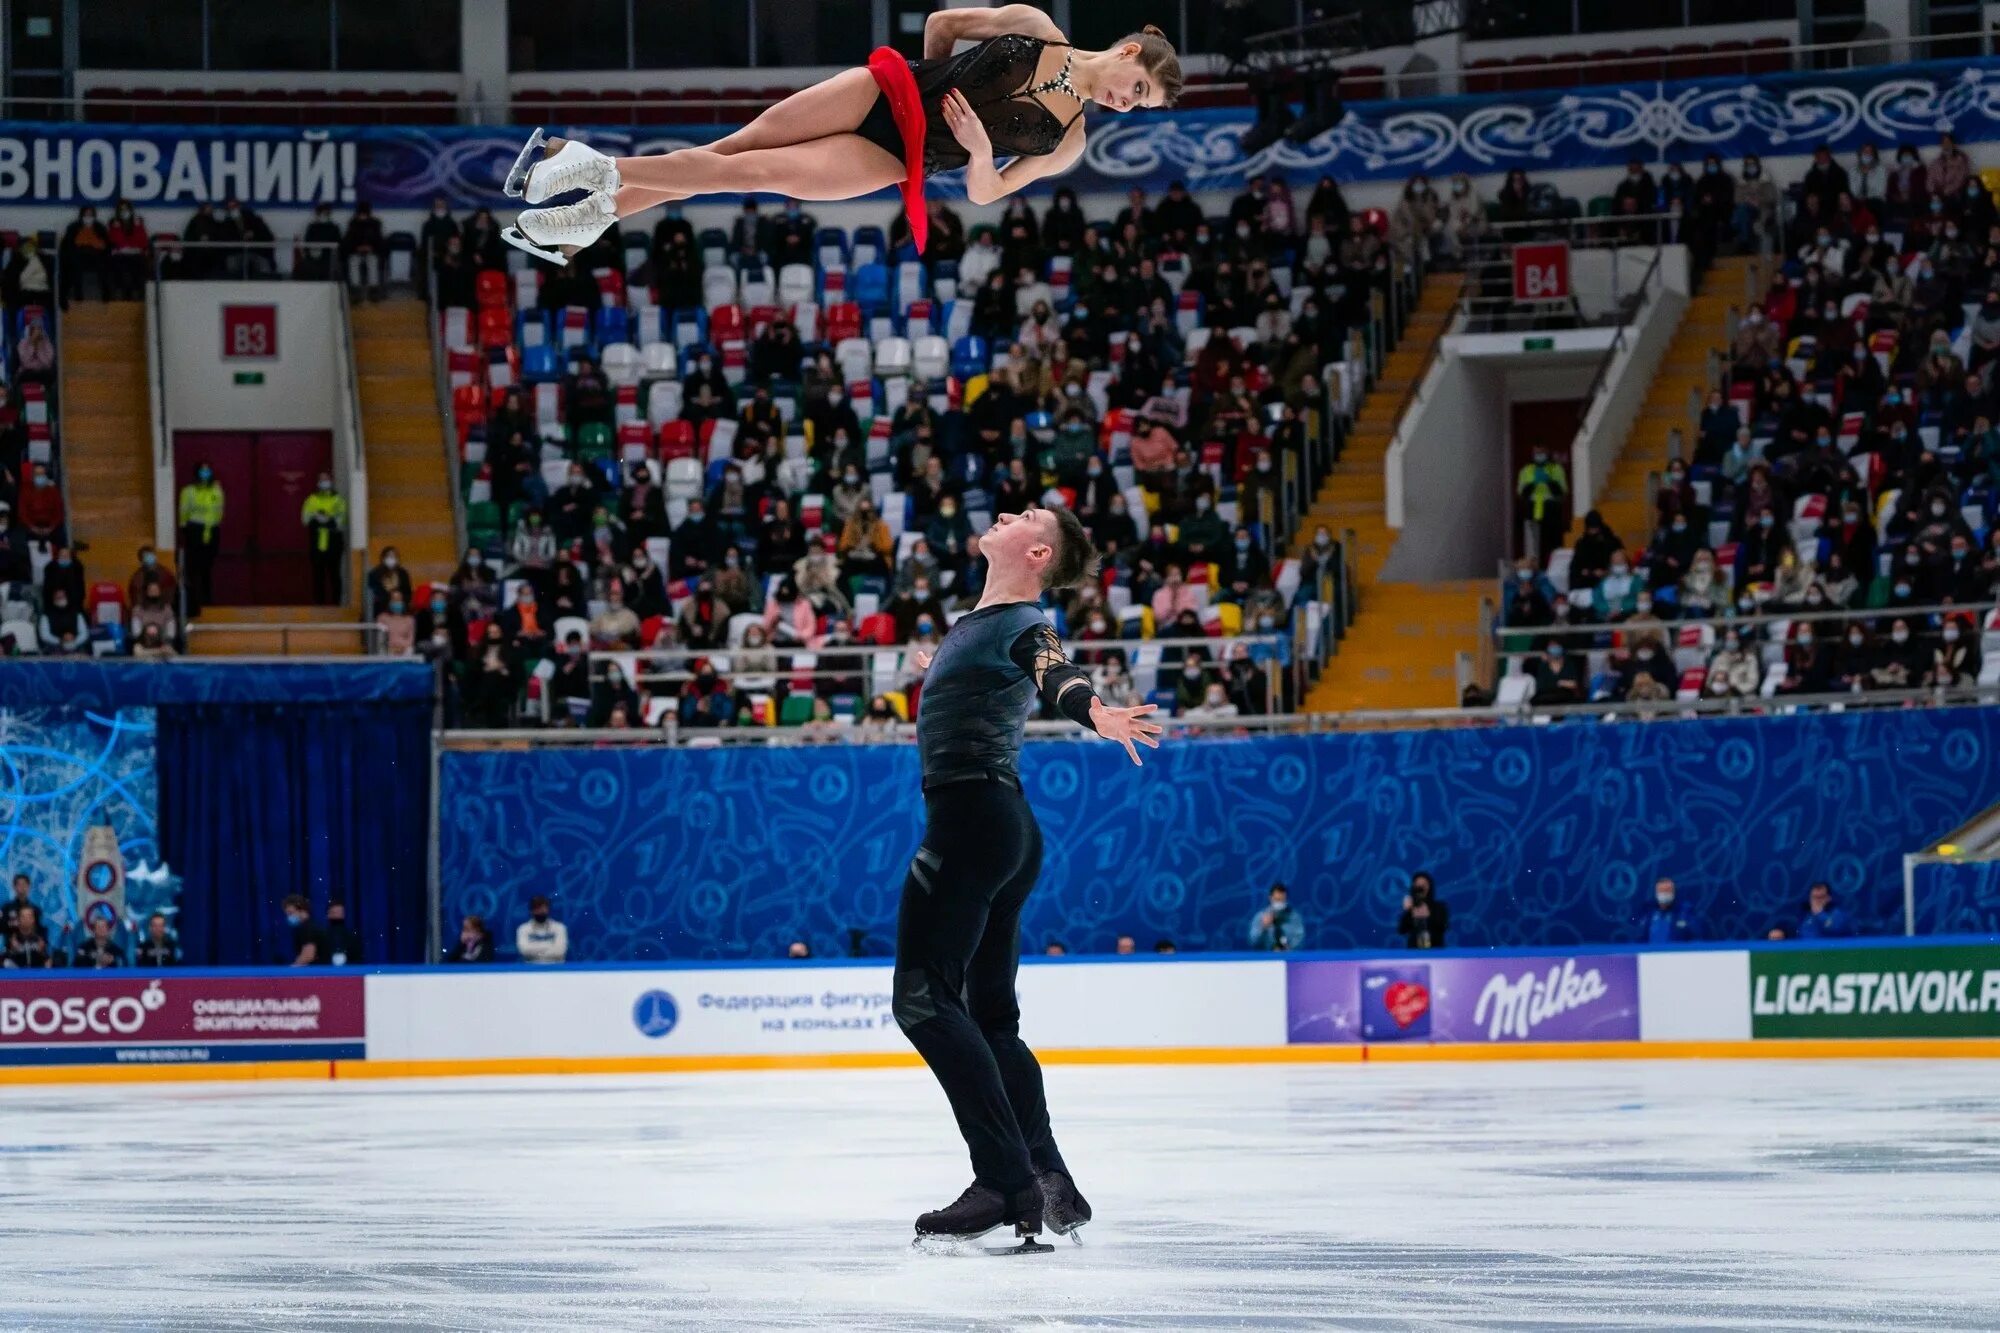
(266, 477)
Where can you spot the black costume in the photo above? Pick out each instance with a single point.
(958, 929)
(997, 78)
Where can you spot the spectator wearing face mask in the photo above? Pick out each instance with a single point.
(398, 626)
(1542, 494)
(1734, 670)
(1956, 660)
(1277, 926)
(1203, 535)
(63, 627)
(1762, 545)
(308, 941)
(1215, 704)
(541, 938)
(1114, 681)
(1174, 597)
(1558, 675)
(1617, 593)
(1647, 674)
(82, 254)
(1191, 685)
(1809, 661)
(324, 516)
(1668, 919)
(1902, 663)
(1425, 917)
(388, 579)
(201, 509)
(362, 247)
(152, 611)
(1591, 559)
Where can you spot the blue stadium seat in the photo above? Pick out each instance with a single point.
(613, 325)
(868, 287)
(537, 318)
(970, 356)
(540, 364)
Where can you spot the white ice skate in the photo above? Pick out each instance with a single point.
(539, 175)
(557, 233)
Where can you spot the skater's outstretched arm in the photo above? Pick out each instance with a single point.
(1066, 687)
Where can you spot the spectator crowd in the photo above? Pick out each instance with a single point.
(1831, 527)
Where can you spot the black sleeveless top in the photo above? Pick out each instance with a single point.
(978, 691)
(996, 77)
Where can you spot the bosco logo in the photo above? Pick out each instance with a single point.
(655, 1014)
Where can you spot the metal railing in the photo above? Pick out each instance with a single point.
(672, 733)
(371, 637)
(447, 412)
(1491, 306)
(1763, 621)
(886, 668)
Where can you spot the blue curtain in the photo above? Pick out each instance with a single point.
(258, 801)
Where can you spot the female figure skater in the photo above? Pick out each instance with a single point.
(1019, 93)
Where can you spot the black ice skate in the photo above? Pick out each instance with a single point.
(1063, 1208)
(981, 1210)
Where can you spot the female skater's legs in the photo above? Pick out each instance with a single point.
(839, 166)
(832, 105)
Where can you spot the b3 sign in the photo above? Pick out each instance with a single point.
(1541, 272)
(250, 332)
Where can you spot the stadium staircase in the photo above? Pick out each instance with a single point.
(107, 433)
(409, 493)
(1403, 648)
(1682, 379)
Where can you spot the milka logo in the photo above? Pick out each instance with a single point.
(1521, 1005)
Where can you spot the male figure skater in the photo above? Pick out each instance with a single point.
(958, 930)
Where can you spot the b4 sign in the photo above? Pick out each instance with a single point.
(1541, 272)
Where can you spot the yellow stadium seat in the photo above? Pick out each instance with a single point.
(1231, 616)
(1145, 622)
(1151, 499)
(973, 388)
(900, 702)
(1990, 178)
(1214, 576)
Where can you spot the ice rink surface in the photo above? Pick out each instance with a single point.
(1730, 1194)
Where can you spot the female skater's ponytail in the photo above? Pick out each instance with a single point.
(1157, 56)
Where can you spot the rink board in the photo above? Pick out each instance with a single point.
(1886, 998)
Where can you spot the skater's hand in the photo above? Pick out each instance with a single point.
(1126, 725)
(923, 660)
(965, 125)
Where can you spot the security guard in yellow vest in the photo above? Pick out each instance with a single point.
(201, 535)
(325, 517)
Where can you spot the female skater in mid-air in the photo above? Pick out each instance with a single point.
(958, 930)
(1019, 93)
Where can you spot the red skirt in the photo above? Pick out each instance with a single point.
(893, 77)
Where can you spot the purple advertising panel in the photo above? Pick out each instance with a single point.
(1591, 997)
(104, 1018)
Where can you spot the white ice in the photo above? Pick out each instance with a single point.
(1734, 1194)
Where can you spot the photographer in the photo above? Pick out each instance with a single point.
(1425, 919)
(1277, 928)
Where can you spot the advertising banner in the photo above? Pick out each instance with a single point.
(1508, 999)
(554, 1013)
(1540, 131)
(1945, 990)
(97, 1018)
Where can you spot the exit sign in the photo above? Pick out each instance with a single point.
(249, 333)
(249, 377)
(1527, 345)
(1541, 272)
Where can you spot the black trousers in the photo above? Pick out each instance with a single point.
(198, 550)
(958, 946)
(326, 571)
